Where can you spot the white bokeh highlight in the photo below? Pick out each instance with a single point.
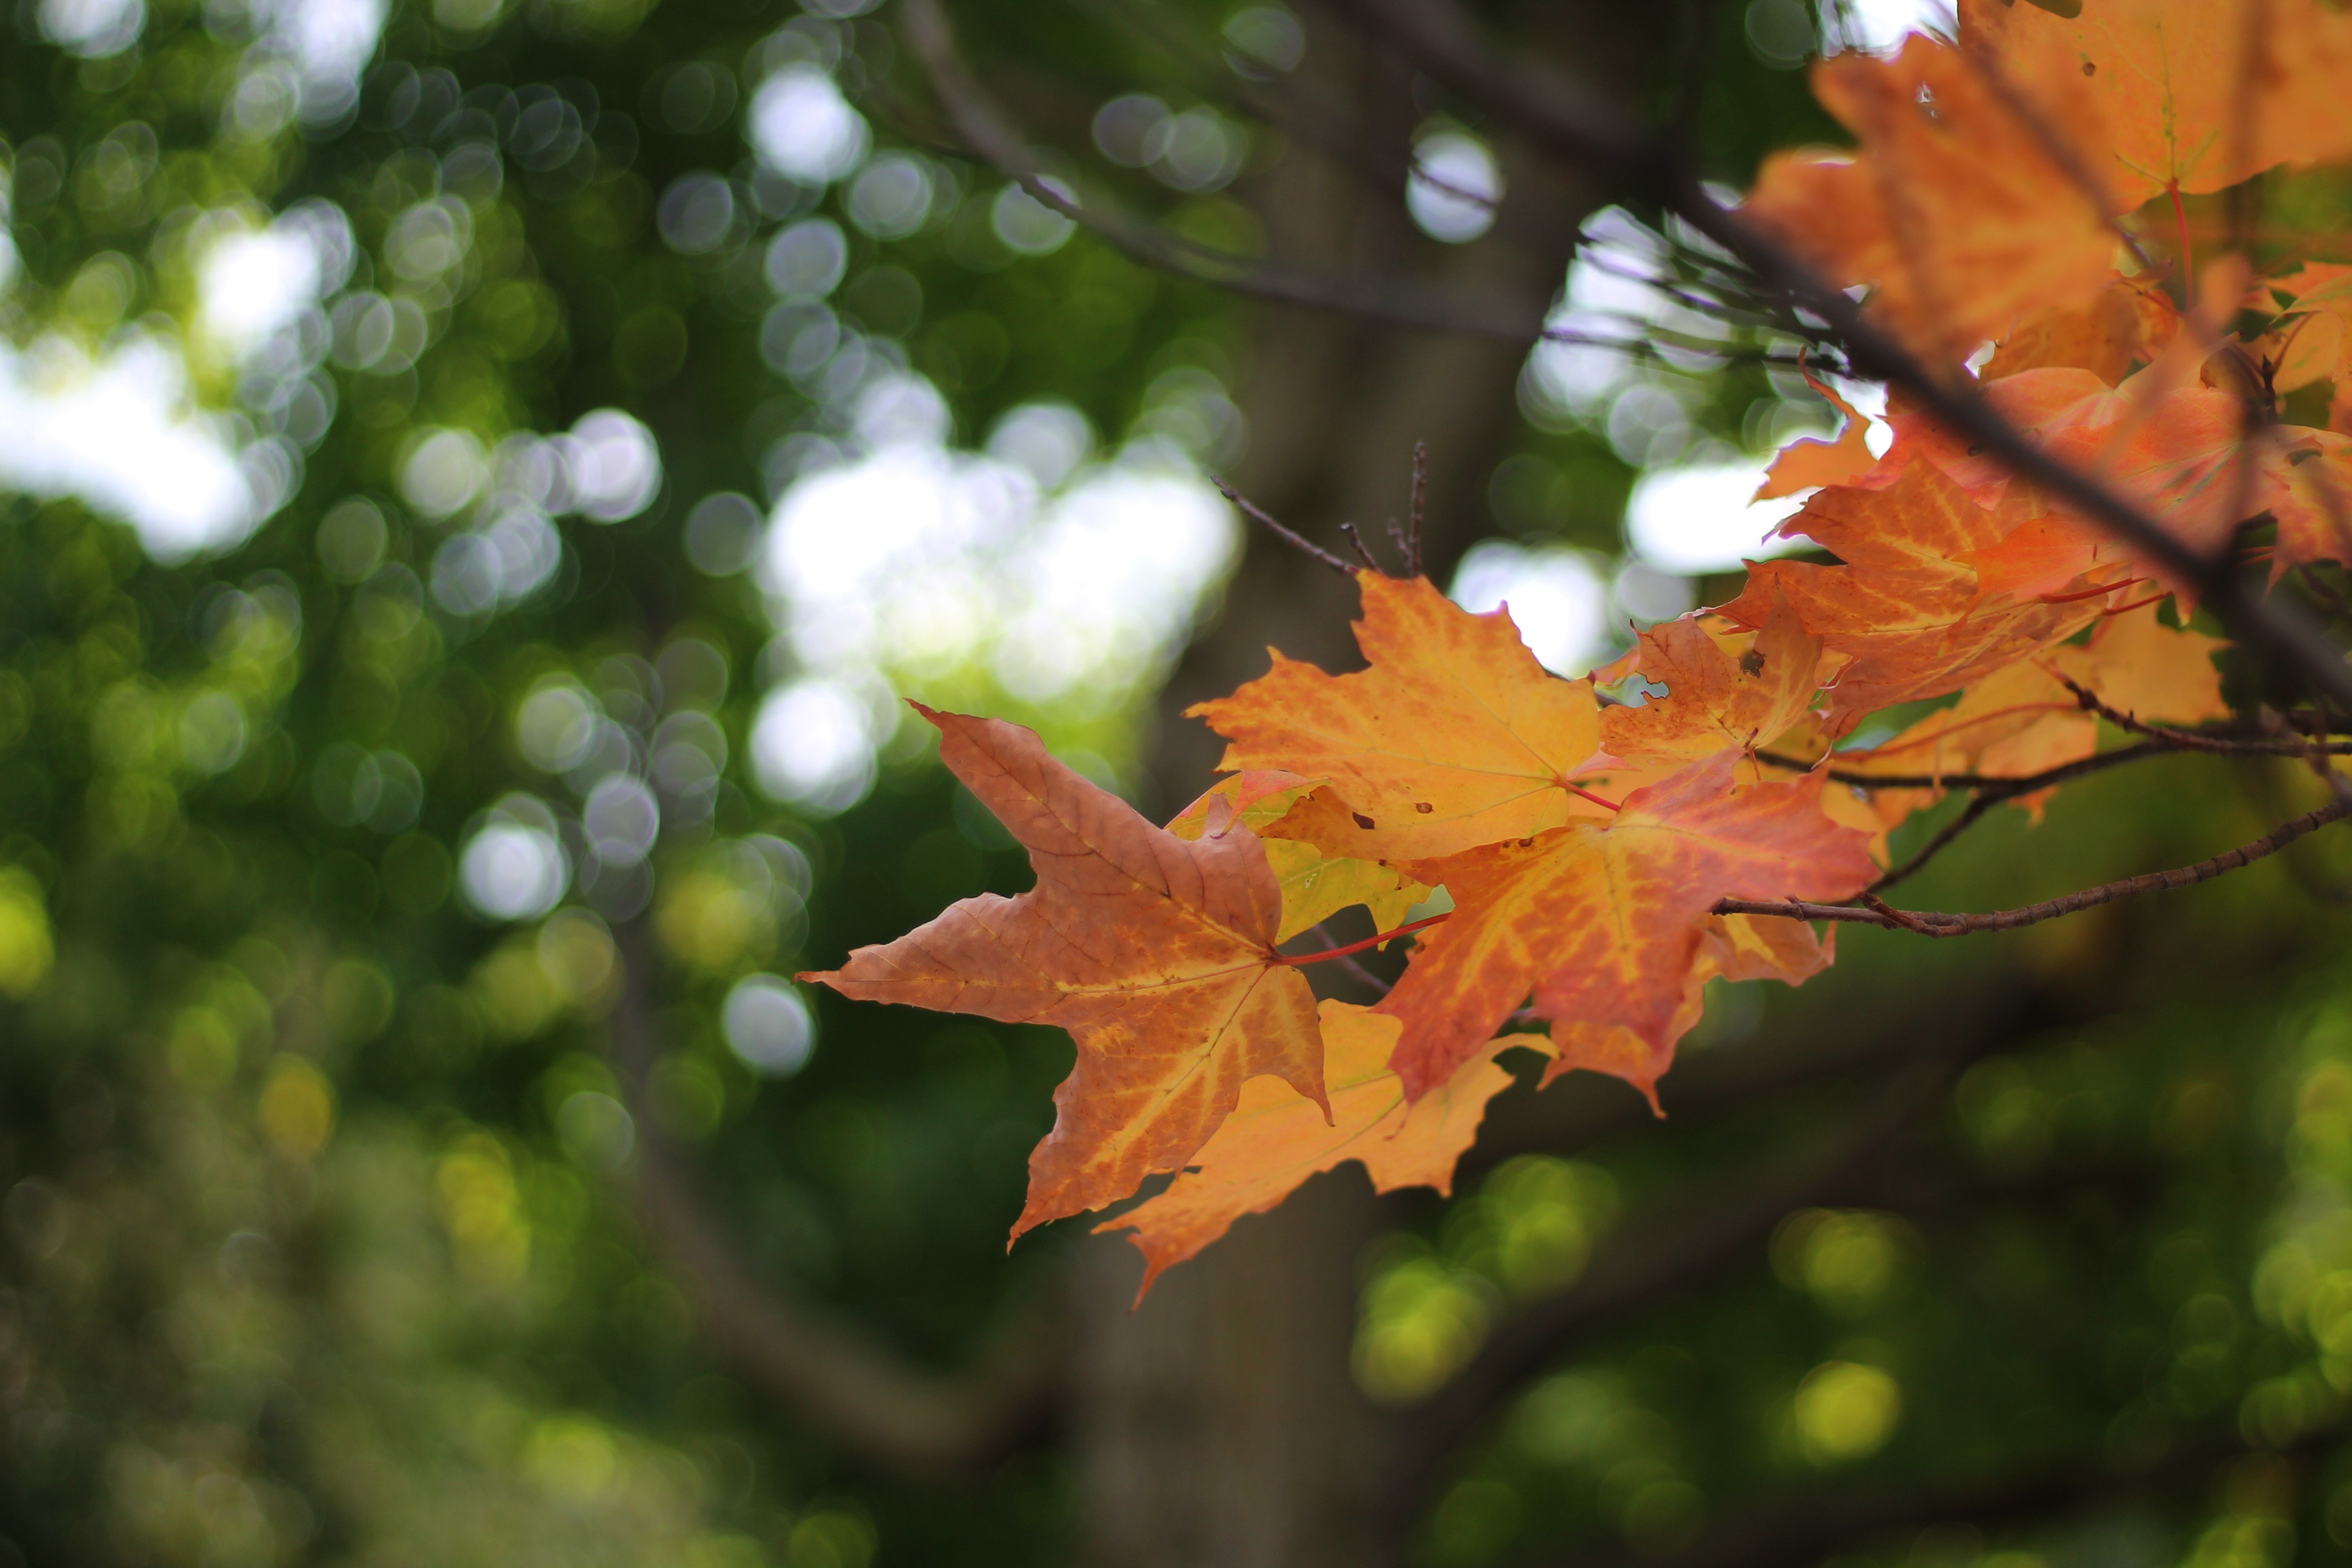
(1062, 580)
(1701, 519)
(514, 868)
(1455, 187)
(803, 128)
(1556, 597)
(768, 1026)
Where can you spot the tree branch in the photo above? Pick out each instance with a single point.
(2006, 784)
(873, 1402)
(1930, 923)
(1558, 113)
(991, 134)
(1812, 1528)
(1698, 1236)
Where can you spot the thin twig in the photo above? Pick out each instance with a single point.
(1258, 514)
(2025, 785)
(1979, 808)
(1363, 554)
(1930, 922)
(2186, 739)
(1420, 509)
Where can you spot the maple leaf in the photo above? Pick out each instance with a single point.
(1601, 922)
(1454, 736)
(1733, 947)
(1315, 886)
(2313, 501)
(2022, 719)
(1905, 605)
(2197, 94)
(2177, 451)
(2011, 723)
(1726, 686)
(1954, 207)
(1155, 952)
(2311, 343)
(1810, 463)
(2125, 323)
(2140, 666)
(1274, 1140)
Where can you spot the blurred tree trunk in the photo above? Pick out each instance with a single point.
(1218, 1424)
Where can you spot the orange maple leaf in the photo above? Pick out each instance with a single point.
(2127, 323)
(2313, 501)
(2200, 94)
(1726, 686)
(1454, 736)
(1906, 605)
(1954, 208)
(1733, 947)
(2022, 719)
(1274, 1140)
(1155, 952)
(1602, 923)
(1811, 462)
(1315, 886)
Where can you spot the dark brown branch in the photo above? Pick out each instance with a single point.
(1977, 809)
(1702, 1235)
(1259, 515)
(1930, 923)
(991, 135)
(2197, 741)
(1356, 540)
(1558, 114)
(875, 1402)
(2005, 784)
(1814, 1527)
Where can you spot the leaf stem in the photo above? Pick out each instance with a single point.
(1330, 953)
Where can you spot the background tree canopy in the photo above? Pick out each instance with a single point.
(476, 479)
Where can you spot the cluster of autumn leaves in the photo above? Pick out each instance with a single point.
(1584, 830)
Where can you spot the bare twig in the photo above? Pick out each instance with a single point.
(1928, 923)
(1259, 515)
(1977, 809)
(1420, 509)
(1363, 555)
(2187, 741)
(2006, 784)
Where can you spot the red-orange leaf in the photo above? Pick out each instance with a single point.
(1155, 952)
(1954, 208)
(2200, 93)
(1274, 1140)
(1905, 607)
(1726, 686)
(1811, 462)
(1602, 924)
(1735, 947)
